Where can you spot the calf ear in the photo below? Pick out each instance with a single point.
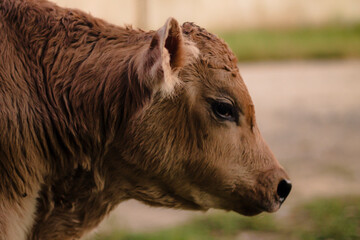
(165, 54)
(170, 41)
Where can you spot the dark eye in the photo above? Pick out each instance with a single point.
(223, 110)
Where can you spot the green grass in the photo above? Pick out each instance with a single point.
(306, 43)
(329, 219)
(321, 219)
(217, 226)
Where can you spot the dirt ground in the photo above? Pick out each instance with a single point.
(309, 113)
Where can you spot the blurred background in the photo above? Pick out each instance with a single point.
(301, 62)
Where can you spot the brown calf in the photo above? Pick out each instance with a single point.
(92, 114)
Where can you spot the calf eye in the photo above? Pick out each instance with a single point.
(223, 110)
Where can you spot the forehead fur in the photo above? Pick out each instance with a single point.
(213, 50)
(217, 70)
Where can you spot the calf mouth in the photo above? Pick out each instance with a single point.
(255, 209)
(252, 208)
(249, 211)
(257, 203)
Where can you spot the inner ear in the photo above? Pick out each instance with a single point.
(174, 45)
(170, 37)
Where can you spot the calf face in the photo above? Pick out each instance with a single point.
(196, 144)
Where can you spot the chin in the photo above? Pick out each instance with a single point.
(249, 211)
(255, 210)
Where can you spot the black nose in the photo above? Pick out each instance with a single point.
(283, 190)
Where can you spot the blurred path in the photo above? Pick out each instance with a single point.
(309, 113)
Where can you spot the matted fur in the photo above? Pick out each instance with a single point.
(92, 114)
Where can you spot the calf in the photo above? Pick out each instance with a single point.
(92, 114)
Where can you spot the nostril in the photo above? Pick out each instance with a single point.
(283, 190)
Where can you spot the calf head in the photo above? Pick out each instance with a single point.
(196, 143)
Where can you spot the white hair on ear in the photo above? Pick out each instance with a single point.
(170, 76)
(191, 50)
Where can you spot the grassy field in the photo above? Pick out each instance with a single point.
(307, 43)
(320, 219)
